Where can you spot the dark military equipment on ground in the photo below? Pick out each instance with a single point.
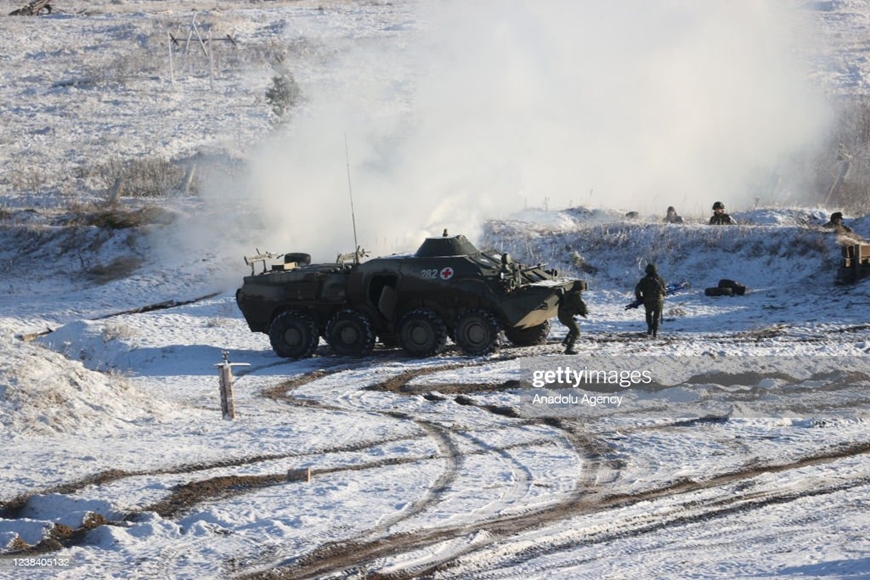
(855, 265)
(447, 288)
(33, 9)
(726, 287)
(856, 254)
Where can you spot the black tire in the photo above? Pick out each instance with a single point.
(531, 336)
(293, 334)
(736, 287)
(300, 258)
(422, 333)
(718, 292)
(476, 332)
(350, 333)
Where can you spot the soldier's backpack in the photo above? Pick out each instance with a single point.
(651, 286)
(671, 289)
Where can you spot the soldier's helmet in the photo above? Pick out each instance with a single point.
(836, 216)
(718, 205)
(650, 269)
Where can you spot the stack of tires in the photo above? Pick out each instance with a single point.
(726, 288)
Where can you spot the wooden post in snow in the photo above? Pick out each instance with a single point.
(114, 192)
(189, 175)
(210, 61)
(198, 35)
(228, 404)
(171, 70)
(845, 165)
(225, 372)
(303, 474)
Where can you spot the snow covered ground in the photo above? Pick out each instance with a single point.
(745, 454)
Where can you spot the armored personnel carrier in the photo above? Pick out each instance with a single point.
(448, 288)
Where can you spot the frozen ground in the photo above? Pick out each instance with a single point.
(746, 455)
(755, 423)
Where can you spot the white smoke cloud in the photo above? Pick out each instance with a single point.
(491, 105)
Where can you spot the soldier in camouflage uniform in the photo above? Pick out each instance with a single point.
(719, 217)
(836, 224)
(845, 236)
(651, 289)
(570, 305)
(672, 216)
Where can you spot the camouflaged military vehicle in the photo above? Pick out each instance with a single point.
(448, 288)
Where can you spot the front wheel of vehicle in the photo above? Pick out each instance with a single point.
(531, 336)
(476, 332)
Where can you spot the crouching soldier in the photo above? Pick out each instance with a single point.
(719, 217)
(570, 305)
(651, 289)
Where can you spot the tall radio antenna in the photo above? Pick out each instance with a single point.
(352, 214)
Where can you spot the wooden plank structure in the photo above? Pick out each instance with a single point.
(205, 41)
(33, 8)
(206, 44)
(856, 263)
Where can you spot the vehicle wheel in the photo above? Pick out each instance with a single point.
(532, 336)
(422, 333)
(476, 332)
(718, 292)
(293, 334)
(298, 257)
(349, 333)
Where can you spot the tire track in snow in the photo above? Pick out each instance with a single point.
(339, 556)
(505, 560)
(214, 488)
(448, 450)
(361, 556)
(596, 469)
(399, 383)
(521, 477)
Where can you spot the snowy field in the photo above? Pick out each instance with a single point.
(744, 455)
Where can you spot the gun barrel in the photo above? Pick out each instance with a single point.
(260, 257)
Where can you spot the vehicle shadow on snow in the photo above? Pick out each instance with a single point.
(833, 568)
(202, 360)
(190, 360)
